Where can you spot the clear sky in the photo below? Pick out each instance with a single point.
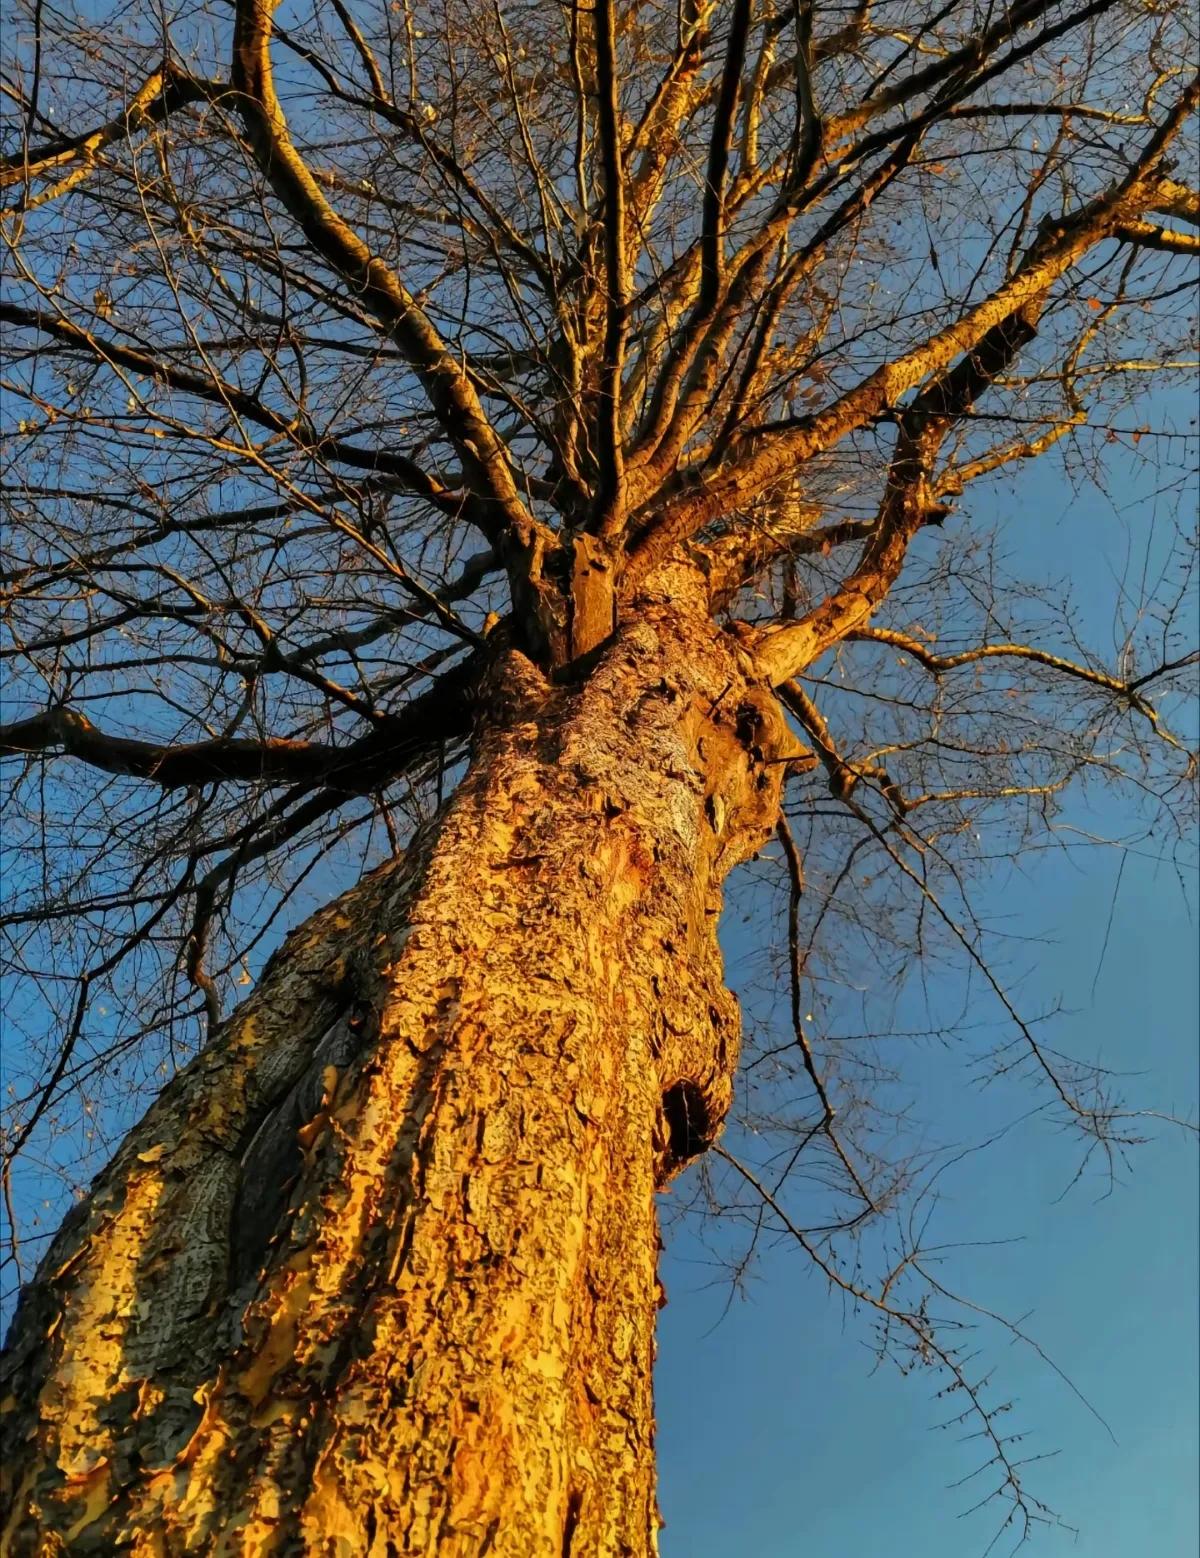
(775, 1437)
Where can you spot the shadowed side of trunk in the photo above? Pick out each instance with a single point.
(377, 1273)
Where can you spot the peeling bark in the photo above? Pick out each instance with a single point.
(376, 1275)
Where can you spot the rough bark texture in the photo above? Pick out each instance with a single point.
(376, 1275)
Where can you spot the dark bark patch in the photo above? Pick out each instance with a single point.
(571, 1523)
(749, 726)
(273, 1159)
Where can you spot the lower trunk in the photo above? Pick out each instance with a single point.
(376, 1275)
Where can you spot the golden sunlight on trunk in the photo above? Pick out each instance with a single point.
(377, 1273)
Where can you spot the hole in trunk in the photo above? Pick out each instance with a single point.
(689, 1125)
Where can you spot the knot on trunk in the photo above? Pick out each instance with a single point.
(745, 748)
(760, 727)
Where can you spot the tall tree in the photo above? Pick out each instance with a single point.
(480, 441)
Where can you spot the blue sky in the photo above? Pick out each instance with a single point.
(776, 1439)
(775, 1436)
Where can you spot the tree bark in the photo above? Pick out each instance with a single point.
(377, 1273)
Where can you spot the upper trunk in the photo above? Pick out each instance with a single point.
(377, 1273)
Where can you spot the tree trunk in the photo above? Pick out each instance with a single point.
(376, 1275)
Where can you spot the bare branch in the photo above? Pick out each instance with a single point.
(609, 453)
(504, 518)
(434, 718)
(162, 93)
(1127, 692)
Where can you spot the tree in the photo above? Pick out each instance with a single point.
(455, 443)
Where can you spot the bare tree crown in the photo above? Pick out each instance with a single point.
(345, 346)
